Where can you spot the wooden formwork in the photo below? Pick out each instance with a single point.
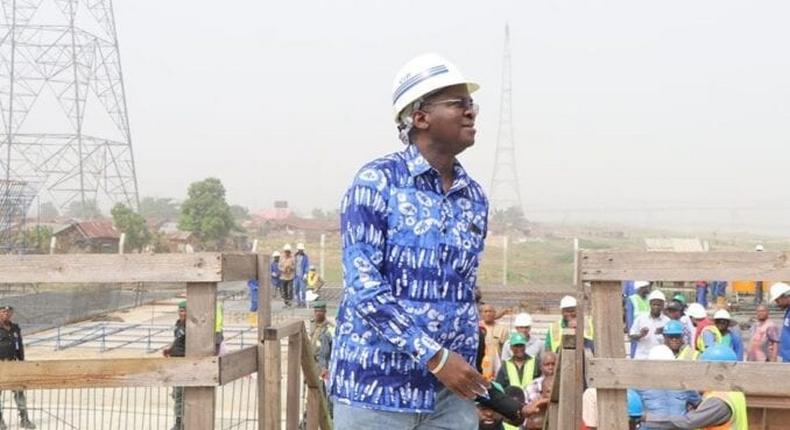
(765, 384)
(201, 371)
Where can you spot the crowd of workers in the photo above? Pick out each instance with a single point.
(293, 277)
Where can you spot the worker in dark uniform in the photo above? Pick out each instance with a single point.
(322, 332)
(12, 349)
(178, 349)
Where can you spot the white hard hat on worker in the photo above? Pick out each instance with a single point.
(778, 290)
(522, 320)
(423, 75)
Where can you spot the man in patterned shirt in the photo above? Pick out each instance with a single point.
(413, 225)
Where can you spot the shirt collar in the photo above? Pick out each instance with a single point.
(417, 165)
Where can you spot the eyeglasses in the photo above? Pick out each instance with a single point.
(465, 104)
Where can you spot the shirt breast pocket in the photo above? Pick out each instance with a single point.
(414, 219)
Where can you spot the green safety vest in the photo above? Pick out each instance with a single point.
(641, 306)
(555, 333)
(716, 333)
(737, 403)
(687, 353)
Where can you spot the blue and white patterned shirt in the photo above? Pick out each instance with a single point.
(410, 258)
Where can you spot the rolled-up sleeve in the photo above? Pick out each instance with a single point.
(364, 227)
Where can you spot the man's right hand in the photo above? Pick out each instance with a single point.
(459, 377)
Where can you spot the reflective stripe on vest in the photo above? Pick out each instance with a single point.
(687, 353)
(555, 334)
(737, 403)
(526, 377)
(700, 339)
(641, 306)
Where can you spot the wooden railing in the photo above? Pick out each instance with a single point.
(765, 384)
(201, 371)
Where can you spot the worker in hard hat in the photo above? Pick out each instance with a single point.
(647, 329)
(718, 410)
(287, 266)
(720, 333)
(666, 402)
(520, 368)
(636, 305)
(675, 340)
(522, 323)
(553, 340)
(413, 225)
(780, 294)
(674, 310)
(301, 269)
(699, 318)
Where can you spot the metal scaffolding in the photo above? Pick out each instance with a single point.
(63, 103)
(15, 198)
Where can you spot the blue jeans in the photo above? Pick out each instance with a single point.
(299, 290)
(451, 413)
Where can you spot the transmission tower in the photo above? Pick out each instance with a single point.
(63, 108)
(505, 192)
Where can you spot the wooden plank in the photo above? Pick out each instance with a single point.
(748, 377)
(568, 388)
(272, 378)
(683, 266)
(313, 408)
(108, 372)
(199, 402)
(238, 364)
(607, 315)
(768, 402)
(552, 416)
(239, 267)
(282, 331)
(110, 268)
(294, 383)
(581, 312)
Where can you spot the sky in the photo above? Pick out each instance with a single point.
(672, 112)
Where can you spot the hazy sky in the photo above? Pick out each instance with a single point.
(617, 104)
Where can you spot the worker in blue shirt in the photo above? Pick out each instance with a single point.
(721, 333)
(636, 304)
(413, 226)
(666, 402)
(274, 270)
(780, 294)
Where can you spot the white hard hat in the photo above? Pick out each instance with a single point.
(522, 320)
(276, 254)
(287, 247)
(759, 248)
(660, 352)
(696, 310)
(641, 284)
(300, 246)
(421, 76)
(722, 314)
(779, 289)
(656, 295)
(568, 302)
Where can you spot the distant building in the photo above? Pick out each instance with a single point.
(98, 237)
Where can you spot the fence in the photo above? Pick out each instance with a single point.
(765, 384)
(201, 373)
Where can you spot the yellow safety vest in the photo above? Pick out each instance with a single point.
(716, 333)
(641, 306)
(688, 353)
(219, 320)
(312, 280)
(737, 403)
(526, 376)
(555, 333)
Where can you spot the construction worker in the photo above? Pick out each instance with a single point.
(496, 336)
(522, 324)
(717, 411)
(675, 340)
(275, 273)
(674, 311)
(780, 294)
(287, 266)
(720, 333)
(553, 340)
(647, 329)
(178, 349)
(699, 318)
(413, 226)
(666, 402)
(635, 409)
(520, 369)
(12, 348)
(314, 281)
(302, 265)
(637, 304)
